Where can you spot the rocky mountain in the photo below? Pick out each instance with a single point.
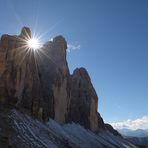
(138, 137)
(134, 133)
(36, 87)
(141, 142)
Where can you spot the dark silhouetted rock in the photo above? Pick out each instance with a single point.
(112, 130)
(101, 124)
(83, 100)
(40, 82)
(54, 77)
(26, 33)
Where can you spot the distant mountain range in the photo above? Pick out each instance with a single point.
(138, 137)
(141, 142)
(134, 133)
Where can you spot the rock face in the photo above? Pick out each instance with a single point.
(40, 82)
(112, 130)
(83, 100)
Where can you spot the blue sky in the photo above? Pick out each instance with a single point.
(110, 38)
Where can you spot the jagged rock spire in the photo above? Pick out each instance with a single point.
(26, 32)
(44, 85)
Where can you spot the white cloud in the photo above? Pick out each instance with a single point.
(140, 123)
(73, 47)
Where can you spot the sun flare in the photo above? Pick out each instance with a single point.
(33, 43)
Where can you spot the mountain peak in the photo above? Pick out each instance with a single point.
(39, 83)
(26, 32)
(43, 85)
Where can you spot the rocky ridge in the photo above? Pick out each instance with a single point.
(39, 83)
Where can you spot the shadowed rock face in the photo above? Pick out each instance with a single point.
(41, 82)
(112, 130)
(83, 100)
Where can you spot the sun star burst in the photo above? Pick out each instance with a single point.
(33, 43)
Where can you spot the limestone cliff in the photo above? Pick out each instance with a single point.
(83, 100)
(40, 82)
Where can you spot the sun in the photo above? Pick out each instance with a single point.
(33, 43)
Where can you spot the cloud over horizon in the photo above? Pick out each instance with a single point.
(139, 123)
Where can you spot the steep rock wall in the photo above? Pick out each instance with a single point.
(40, 82)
